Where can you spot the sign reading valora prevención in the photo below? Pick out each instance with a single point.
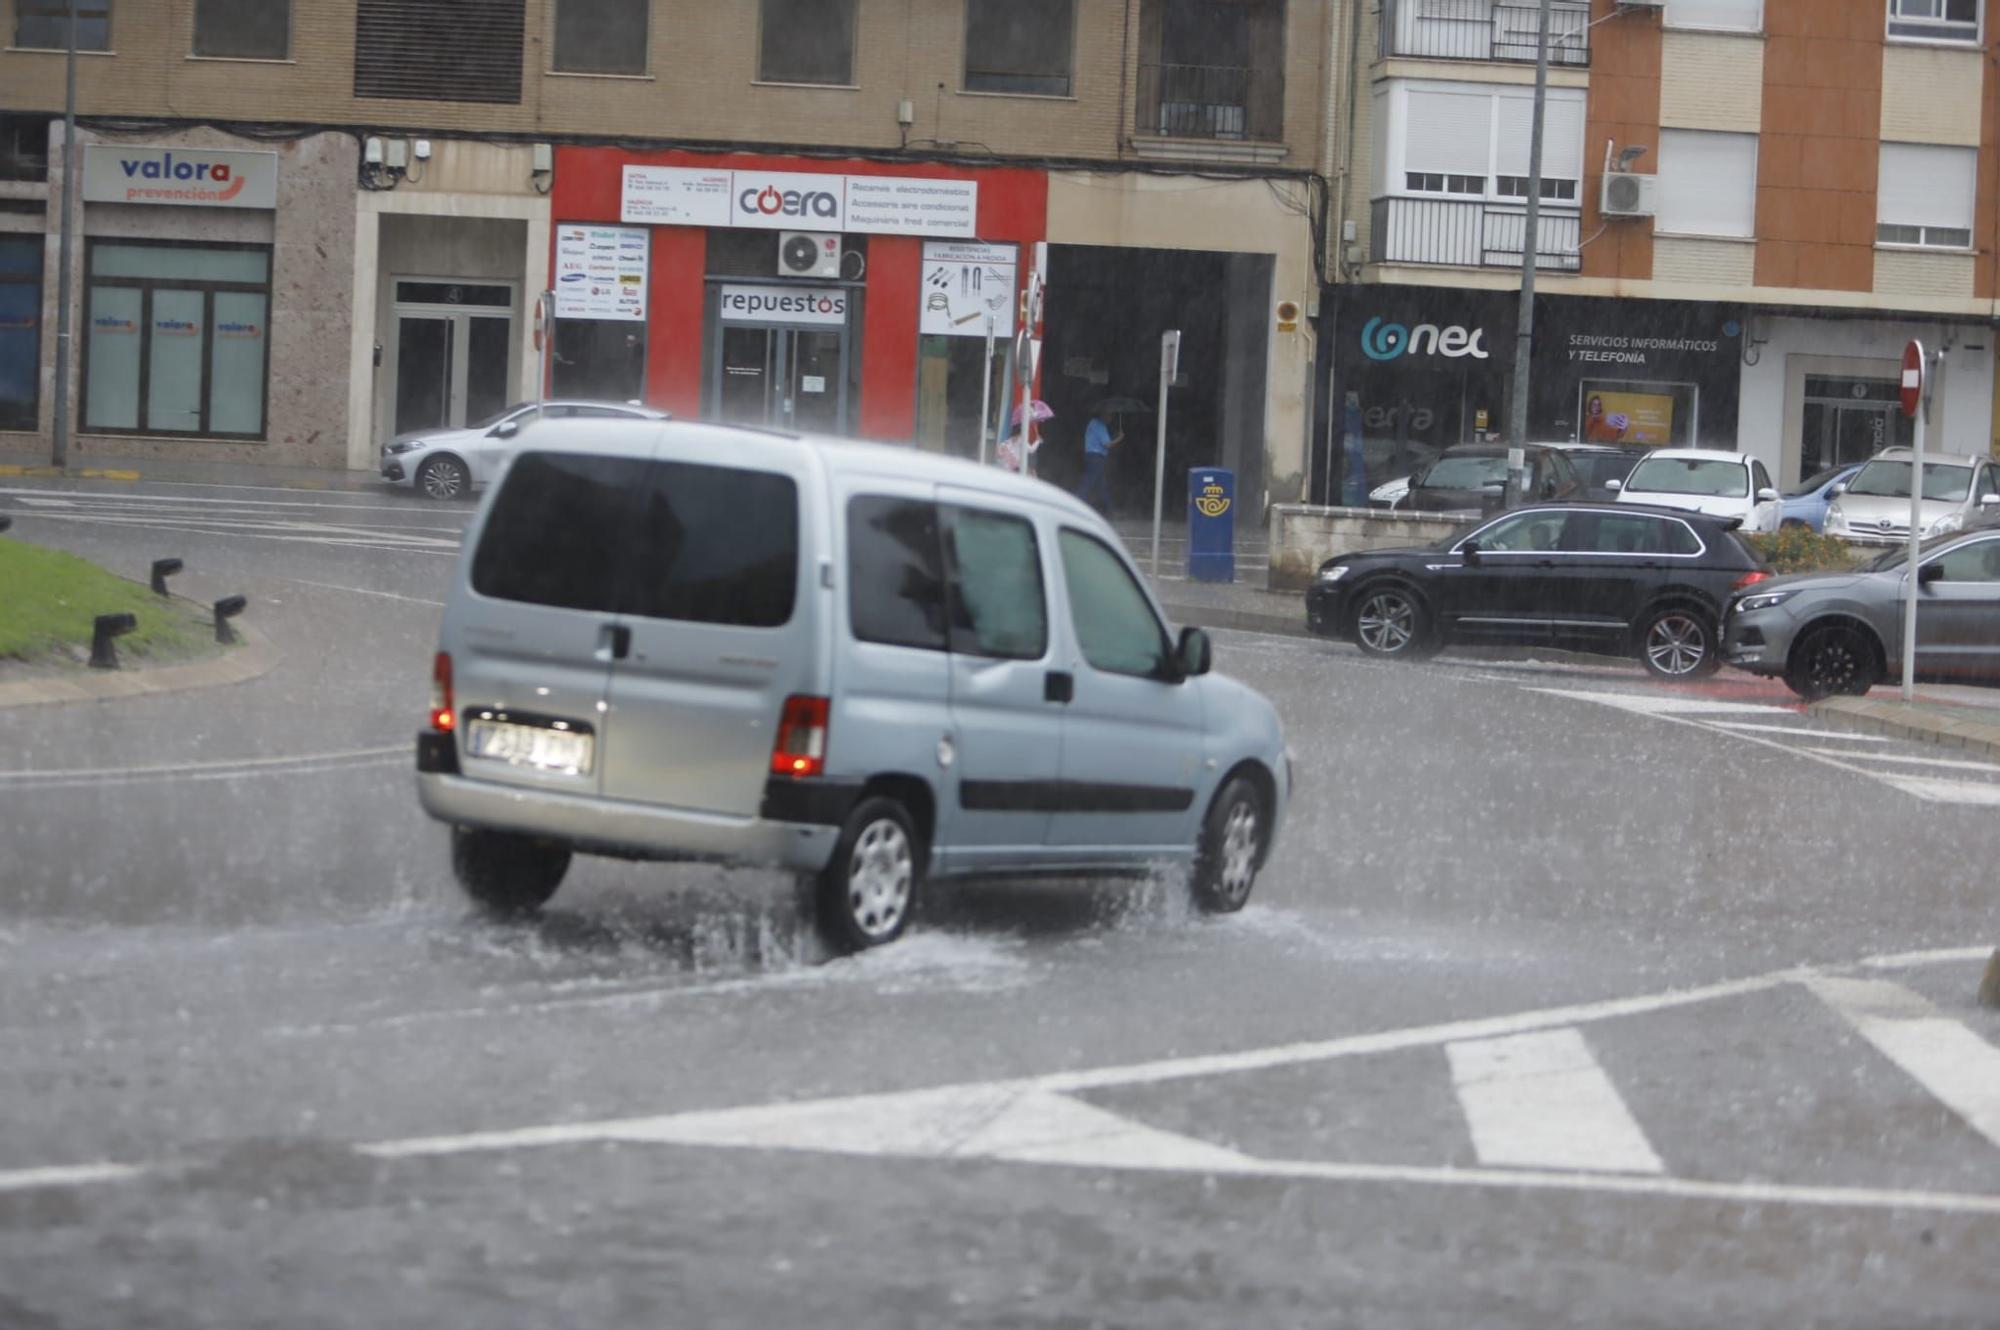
(179, 177)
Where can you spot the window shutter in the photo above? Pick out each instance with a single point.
(1729, 15)
(1926, 185)
(439, 50)
(1562, 136)
(1708, 183)
(1448, 131)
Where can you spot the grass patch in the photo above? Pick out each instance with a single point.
(49, 600)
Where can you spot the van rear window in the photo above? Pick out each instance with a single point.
(667, 540)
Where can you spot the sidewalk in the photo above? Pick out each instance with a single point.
(14, 466)
(1949, 715)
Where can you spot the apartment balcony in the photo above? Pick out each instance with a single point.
(1472, 234)
(1484, 30)
(1229, 102)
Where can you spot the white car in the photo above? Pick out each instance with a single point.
(449, 463)
(1873, 506)
(1706, 480)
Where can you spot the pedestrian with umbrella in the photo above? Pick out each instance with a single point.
(1009, 451)
(1098, 441)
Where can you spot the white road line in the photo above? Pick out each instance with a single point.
(105, 497)
(1977, 794)
(1945, 763)
(1663, 704)
(1943, 1056)
(1542, 1101)
(243, 764)
(67, 1175)
(40, 502)
(386, 540)
(364, 591)
(1803, 732)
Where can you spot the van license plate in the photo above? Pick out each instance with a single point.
(530, 746)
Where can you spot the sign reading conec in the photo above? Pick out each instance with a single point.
(179, 177)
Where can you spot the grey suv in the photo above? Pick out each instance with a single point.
(869, 665)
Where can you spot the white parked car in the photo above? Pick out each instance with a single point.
(1873, 507)
(449, 463)
(1706, 480)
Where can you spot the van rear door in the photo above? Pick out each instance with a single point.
(716, 603)
(532, 645)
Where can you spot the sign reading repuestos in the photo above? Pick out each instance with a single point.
(799, 201)
(815, 306)
(179, 177)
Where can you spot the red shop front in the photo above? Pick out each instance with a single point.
(843, 296)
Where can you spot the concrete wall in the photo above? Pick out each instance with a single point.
(1304, 536)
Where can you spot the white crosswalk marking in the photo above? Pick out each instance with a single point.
(1940, 1054)
(1818, 735)
(1541, 1101)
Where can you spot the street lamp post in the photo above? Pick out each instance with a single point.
(1524, 321)
(59, 443)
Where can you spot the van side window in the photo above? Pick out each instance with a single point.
(553, 537)
(895, 572)
(717, 544)
(997, 607)
(1115, 624)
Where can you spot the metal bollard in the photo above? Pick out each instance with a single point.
(162, 570)
(5, 522)
(226, 609)
(104, 655)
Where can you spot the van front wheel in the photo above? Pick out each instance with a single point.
(867, 890)
(1231, 849)
(507, 873)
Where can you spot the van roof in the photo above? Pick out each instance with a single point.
(636, 437)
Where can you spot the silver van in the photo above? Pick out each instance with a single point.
(874, 666)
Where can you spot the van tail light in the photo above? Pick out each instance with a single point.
(1749, 579)
(800, 749)
(444, 718)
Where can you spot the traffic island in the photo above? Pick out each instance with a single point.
(1972, 724)
(71, 631)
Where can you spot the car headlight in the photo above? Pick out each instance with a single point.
(1763, 601)
(1836, 520)
(1332, 573)
(1949, 522)
(404, 446)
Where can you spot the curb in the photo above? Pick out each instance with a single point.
(1241, 621)
(1894, 718)
(256, 657)
(83, 472)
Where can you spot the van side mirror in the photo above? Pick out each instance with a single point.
(1469, 552)
(1929, 573)
(1194, 653)
(506, 429)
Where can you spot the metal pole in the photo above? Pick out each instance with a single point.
(1524, 321)
(986, 391)
(1170, 359)
(1916, 539)
(65, 247)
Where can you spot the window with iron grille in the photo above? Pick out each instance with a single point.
(243, 29)
(601, 36)
(1021, 46)
(24, 146)
(439, 50)
(805, 41)
(40, 25)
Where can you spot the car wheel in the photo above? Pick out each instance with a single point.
(444, 478)
(868, 890)
(1678, 643)
(506, 873)
(1233, 837)
(1390, 621)
(1830, 660)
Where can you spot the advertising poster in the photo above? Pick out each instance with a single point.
(1612, 415)
(963, 283)
(601, 272)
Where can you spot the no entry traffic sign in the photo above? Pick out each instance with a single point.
(1913, 377)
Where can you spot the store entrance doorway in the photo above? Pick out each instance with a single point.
(1850, 419)
(786, 378)
(453, 340)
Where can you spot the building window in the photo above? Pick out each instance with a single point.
(1935, 20)
(1708, 183)
(601, 36)
(24, 146)
(40, 25)
(1438, 182)
(1457, 140)
(1924, 195)
(439, 50)
(1721, 15)
(178, 338)
(1212, 69)
(806, 41)
(1021, 46)
(243, 29)
(1553, 190)
(20, 330)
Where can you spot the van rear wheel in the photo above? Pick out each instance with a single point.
(868, 889)
(505, 873)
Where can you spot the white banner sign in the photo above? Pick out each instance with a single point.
(965, 282)
(181, 177)
(600, 273)
(814, 306)
(799, 201)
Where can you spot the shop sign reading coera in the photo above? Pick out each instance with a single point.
(179, 177)
(799, 201)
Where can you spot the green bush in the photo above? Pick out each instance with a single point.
(1799, 549)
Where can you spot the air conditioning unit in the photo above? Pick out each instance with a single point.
(809, 254)
(1627, 194)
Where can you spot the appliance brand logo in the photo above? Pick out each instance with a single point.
(1386, 341)
(572, 277)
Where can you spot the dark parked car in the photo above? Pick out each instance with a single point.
(1827, 633)
(1623, 580)
(1473, 478)
(1597, 466)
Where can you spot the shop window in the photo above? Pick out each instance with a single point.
(805, 41)
(1720, 15)
(1924, 195)
(1635, 413)
(439, 50)
(41, 25)
(20, 331)
(24, 147)
(243, 29)
(1935, 20)
(949, 393)
(1708, 183)
(177, 339)
(601, 36)
(1021, 46)
(599, 359)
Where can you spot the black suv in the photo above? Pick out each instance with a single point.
(1617, 580)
